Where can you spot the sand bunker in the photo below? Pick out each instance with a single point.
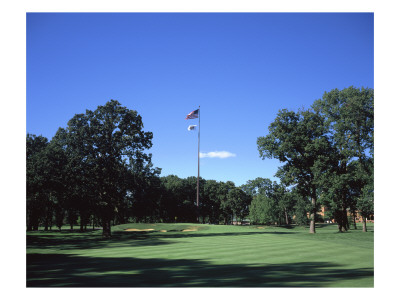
(133, 229)
(162, 230)
(190, 229)
(261, 227)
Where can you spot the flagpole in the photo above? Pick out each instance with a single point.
(198, 169)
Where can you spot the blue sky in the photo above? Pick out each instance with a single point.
(241, 68)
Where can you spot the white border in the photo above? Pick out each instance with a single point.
(13, 126)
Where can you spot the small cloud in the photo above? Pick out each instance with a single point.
(219, 154)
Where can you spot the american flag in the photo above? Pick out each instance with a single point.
(193, 115)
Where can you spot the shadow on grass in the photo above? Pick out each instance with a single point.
(68, 241)
(84, 241)
(61, 270)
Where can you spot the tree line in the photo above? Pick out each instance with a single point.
(97, 171)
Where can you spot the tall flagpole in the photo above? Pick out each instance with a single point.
(198, 169)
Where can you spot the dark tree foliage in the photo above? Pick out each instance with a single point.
(301, 208)
(37, 180)
(178, 200)
(213, 195)
(239, 202)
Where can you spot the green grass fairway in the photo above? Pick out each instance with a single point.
(206, 256)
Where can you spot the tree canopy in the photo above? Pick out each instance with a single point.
(327, 150)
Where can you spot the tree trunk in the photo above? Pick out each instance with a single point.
(346, 220)
(343, 223)
(71, 218)
(47, 220)
(51, 222)
(106, 228)
(354, 220)
(82, 220)
(312, 224)
(364, 224)
(286, 217)
(33, 222)
(313, 211)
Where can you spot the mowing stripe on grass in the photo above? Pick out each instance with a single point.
(213, 256)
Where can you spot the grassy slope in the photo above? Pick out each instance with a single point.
(212, 256)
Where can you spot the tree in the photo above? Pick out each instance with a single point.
(301, 207)
(144, 193)
(258, 186)
(349, 116)
(210, 202)
(225, 203)
(277, 202)
(239, 203)
(286, 200)
(103, 145)
(78, 175)
(262, 210)
(56, 191)
(365, 204)
(171, 197)
(298, 140)
(36, 179)
(190, 201)
(272, 202)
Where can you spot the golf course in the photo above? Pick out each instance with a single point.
(201, 255)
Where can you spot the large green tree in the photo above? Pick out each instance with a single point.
(104, 144)
(349, 116)
(298, 140)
